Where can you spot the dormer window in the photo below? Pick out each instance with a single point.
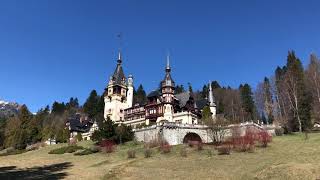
(168, 82)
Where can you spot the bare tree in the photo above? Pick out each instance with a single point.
(259, 98)
(313, 82)
(217, 129)
(279, 107)
(291, 90)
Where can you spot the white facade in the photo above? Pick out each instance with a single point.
(130, 92)
(212, 105)
(119, 94)
(51, 141)
(87, 135)
(114, 107)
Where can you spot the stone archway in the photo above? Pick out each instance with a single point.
(191, 137)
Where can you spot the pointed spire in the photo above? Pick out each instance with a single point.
(119, 57)
(211, 98)
(168, 63)
(167, 79)
(118, 77)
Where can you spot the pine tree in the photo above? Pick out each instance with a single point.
(91, 106)
(206, 115)
(23, 135)
(124, 133)
(215, 85)
(139, 96)
(179, 89)
(58, 108)
(72, 104)
(190, 88)
(107, 130)
(305, 110)
(2, 132)
(205, 91)
(220, 108)
(268, 101)
(247, 101)
(297, 93)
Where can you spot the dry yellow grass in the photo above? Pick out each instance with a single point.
(287, 157)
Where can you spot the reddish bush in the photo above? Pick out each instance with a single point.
(246, 142)
(73, 141)
(165, 147)
(264, 138)
(107, 146)
(235, 132)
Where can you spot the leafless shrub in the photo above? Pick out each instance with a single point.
(131, 154)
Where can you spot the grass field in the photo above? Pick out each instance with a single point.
(287, 157)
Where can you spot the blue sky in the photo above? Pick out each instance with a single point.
(54, 50)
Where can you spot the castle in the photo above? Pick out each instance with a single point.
(162, 105)
(166, 114)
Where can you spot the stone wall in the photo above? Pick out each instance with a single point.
(175, 133)
(172, 133)
(146, 134)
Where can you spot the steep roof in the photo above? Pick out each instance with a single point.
(167, 81)
(154, 93)
(201, 103)
(183, 98)
(118, 76)
(77, 126)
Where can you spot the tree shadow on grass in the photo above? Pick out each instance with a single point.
(50, 172)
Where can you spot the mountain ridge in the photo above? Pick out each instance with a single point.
(8, 109)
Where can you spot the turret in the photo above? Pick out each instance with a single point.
(116, 94)
(167, 85)
(130, 91)
(212, 104)
(167, 91)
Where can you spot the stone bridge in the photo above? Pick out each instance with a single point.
(180, 133)
(173, 133)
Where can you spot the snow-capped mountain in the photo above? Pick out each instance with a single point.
(8, 109)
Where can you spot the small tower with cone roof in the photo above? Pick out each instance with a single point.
(116, 98)
(167, 93)
(212, 103)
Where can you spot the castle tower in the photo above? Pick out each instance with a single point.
(115, 98)
(167, 93)
(212, 104)
(130, 91)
